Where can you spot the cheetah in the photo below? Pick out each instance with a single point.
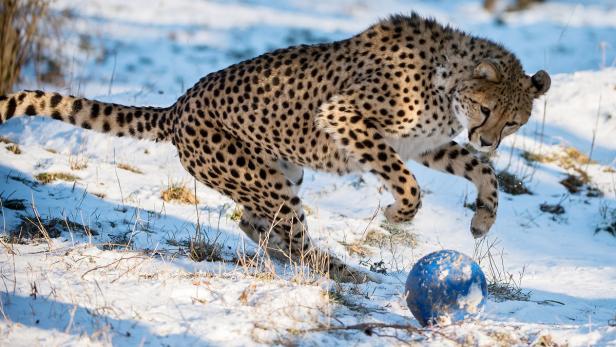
(401, 90)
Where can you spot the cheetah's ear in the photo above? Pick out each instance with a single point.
(487, 70)
(540, 82)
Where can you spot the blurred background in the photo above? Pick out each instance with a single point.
(161, 47)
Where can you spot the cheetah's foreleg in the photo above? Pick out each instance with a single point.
(456, 160)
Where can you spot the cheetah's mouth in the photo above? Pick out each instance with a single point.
(480, 148)
(476, 144)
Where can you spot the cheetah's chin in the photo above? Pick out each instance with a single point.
(482, 149)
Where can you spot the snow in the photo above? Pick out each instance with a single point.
(75, 290)
(471, 301)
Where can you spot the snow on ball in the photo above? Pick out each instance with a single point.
(444, 287)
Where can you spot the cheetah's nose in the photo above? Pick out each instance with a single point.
(484, 143)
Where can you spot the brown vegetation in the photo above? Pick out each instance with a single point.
(20, 37)
(11, 146)
(48, 177)
(519, 5)
(511, 184)
(572, 160)
(395, 235)
(129, 167)
(13, 204)
(569, 158)
(14, 148)
(33, 228)
(178, 192)
(77, 162)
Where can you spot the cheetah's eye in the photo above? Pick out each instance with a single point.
(511, 124)
(485, 111)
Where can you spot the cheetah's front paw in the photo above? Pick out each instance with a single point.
(396, 213)
(482, 221)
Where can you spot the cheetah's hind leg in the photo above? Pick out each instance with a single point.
(271, 237)
(267, 189)
(294, 173)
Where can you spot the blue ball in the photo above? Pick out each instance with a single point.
(444, 287)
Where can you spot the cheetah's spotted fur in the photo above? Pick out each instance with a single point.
(400, 90)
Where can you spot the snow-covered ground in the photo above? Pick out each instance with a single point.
(81, 289)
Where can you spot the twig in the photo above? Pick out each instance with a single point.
(515, 137)
(9, 250)
(110, 264)
(129, 270)
(376, 213)
(115, 168)
(115, 60)
(40, 225)
(198, 226)
(67, 330)
(368, 329)
(562, 33)
(594, 134)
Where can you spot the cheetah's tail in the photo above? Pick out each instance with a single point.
(139, 122)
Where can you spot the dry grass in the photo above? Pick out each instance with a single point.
(77, 162)
(13, 204)
(178, 192)
(555, 209)
(18, 26)
(36, 228)
(396, 236)
(259, 264)
(99, 195)
(11, 145)
(502, 285)
(308, 267)
(236, 214)
(357, 248)
(48, 177)
(25, 30)
(511, 184)
(608, 220)
(577, 183)
(24, 181)
(393, 228)
(119, 241)
(519, 5)
(201, 249)
(403, 333)
(14, 148)
(308, 211)
(569, 158)
(129, 167)
(573, 183)
(336, 294)
(6, 140)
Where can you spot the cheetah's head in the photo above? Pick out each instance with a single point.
(494, 103)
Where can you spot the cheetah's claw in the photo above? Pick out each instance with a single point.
(482, 221)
